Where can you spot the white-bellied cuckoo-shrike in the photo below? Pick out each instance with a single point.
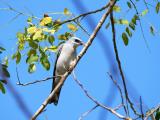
(65, 57)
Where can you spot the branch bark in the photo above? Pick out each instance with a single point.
(90, 40)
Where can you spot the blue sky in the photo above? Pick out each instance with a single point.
(140, 66)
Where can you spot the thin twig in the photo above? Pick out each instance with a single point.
(10, 8)
(17, 75)
(120, 66)
(119, 89)
(85, 14)
(118, 107)
(83, 51)
(36, 81)
(141, 108)
(140, 25)
(145, 4)
(88, 112)
(151, 112)
(94, 100)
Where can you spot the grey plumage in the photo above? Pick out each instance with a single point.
(65, 56)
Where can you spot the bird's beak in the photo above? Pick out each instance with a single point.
(82, 43)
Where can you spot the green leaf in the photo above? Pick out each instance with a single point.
(108, 24)
(52, 49)
(157, 7)
(62, 37)
(157, 117)
(31, 68)
(123, 21)
(51, 39)
(5, 71)
(128, 32)
(129, 4)
(31, 52)
(29, 19)
(2, 49)
(45, 62)
(18, 57)
(33, 44)
(2, 88)
(5, 61)
(132, 26)
(152, 30)
(116, 8)
(32, 59)
(144, 12)
(20, 35)
(72, 27)
(3, 81)
(125, 38)
(66, 11)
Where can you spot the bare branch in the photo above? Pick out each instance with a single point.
(36, 81)
(120, 66)
(119, 89)
(85, 14)
(83, 51)
(95, 101)
(141, 108)
(151, 112)
(86, 113)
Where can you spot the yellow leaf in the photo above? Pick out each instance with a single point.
(31, 30)
(37, 35)
(51, 48)
(52, 31)
(66, 11)
(116, 8)
(45, 21)
(72, 27)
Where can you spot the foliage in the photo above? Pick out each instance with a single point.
(38, 39)
(3, 72)
(129, 25)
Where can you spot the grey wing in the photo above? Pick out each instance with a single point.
(54, 70)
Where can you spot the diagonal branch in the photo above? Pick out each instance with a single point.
(90, 40)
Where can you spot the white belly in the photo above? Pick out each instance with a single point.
(67, 56)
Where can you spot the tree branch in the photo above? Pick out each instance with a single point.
(140, 25)
(83, 51)
(120, 66)
(36, 81)
(85, 14)
(95, 101)
(120, 91)
(151, 112)
(86, 113)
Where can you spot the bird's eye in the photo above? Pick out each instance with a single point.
(77, 41)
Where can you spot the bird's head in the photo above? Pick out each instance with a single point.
(76, 41)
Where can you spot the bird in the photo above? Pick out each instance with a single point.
(66, 55)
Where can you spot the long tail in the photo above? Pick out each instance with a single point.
(55, 98)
